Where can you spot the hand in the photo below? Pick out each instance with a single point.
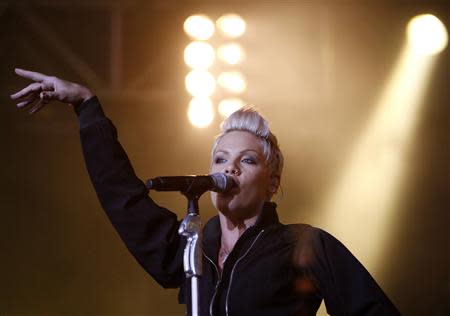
(45, 89)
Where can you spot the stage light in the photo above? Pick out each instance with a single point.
(427, 35)
(363, 200)
(230, 105)
(233, 81)
(199, 55)
(200, 83)
(200, 112)
(231, 53)
(199, 27)
(231, 25)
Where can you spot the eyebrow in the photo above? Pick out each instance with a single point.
(241, 152)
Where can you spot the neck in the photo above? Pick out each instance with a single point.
(233, 229)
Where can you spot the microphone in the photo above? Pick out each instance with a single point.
(217, 182)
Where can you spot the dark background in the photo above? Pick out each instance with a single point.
(314, 68)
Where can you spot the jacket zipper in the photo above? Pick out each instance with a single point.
(219, 278)
(232, 272)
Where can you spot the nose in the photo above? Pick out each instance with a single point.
(232, 170)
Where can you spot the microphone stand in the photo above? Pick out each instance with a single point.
(191, 228)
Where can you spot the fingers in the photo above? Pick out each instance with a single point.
(49, 95)
(25, 103)
(43, 99)
(32, 88)
(42, 90)
(36, 76)
(38, 106)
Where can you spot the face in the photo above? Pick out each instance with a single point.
(240, 155)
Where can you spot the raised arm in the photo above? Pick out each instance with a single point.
(148, 230)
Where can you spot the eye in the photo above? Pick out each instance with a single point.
(219, 160)
(249, 160)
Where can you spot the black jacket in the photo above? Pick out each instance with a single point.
(274, 269)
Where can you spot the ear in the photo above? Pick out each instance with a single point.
(274, 184)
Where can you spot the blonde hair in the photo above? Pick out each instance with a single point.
(248, 119)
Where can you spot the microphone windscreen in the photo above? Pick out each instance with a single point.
(222, 182)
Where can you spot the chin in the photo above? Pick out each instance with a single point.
(230, 206)
(223, 203)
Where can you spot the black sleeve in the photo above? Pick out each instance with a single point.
(345, 285)
(148, 230)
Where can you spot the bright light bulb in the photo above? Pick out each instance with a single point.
(231, 25)
(200, 112)
(427, 35)
(231, 53)
(199, 27)
(200, 83)
(199, 55)
(230, 105)
(233, 81)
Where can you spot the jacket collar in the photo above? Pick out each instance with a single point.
(212, 232)
(268, 215)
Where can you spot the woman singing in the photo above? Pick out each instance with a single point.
(252, 263)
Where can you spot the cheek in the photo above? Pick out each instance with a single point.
(259, 185)
(265, 184)
(213, 168)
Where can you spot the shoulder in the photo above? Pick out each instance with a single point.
(310, 242)
(311, 233)
(306, 232)
(299, 237)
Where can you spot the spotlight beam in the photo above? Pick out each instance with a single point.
(363, 200)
